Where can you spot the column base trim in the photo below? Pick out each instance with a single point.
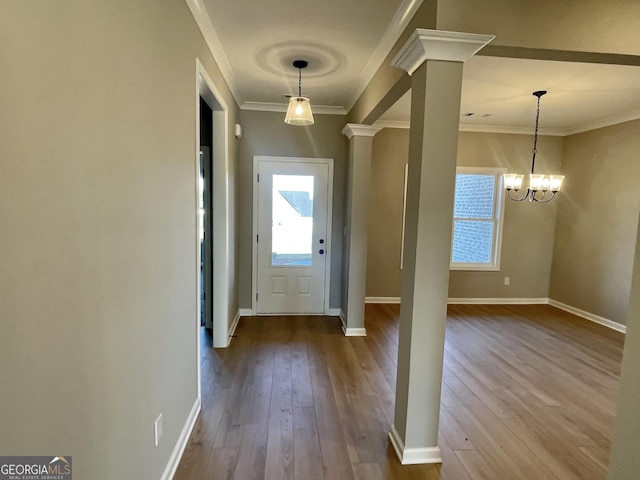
(413, 456)
(351, 332)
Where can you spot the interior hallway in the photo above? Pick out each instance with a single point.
(529, 392)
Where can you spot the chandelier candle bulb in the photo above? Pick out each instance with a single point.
(556, 182)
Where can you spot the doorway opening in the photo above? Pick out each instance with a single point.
(292, 226)
(205, 204)
(215, 297)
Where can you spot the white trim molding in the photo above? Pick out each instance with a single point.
(426, 44)
(232, 329)
(387, 300)
(334, 312)
(351, 130)
(498, 301)
(246, 312)
(201, 16)
(181, 444)
(354, 332)
(589, 316)
(413, 456)
(400, 21)
(282, 107)
(351, 332)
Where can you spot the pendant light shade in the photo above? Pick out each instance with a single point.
(299, 110)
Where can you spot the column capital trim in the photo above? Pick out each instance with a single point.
(357, 130)
(425, 44)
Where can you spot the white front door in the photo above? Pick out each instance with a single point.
(292, 235)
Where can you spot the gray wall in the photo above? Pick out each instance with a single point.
(597, 221)
(526, 257)
(265, 133)
(98, 237)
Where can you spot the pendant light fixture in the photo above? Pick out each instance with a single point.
(541, 188)
(299, 111)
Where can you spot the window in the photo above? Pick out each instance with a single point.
(477, 219)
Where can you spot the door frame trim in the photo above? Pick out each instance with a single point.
(223, 287)
(254, 256)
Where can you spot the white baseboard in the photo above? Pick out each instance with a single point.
(413, 456)
(391, 300)
(498, 301)
(354, 332)
(234, 325)
(183, 439)
(334, 312)
(589, 316)
(351, 332)
(246, 312)
(472, 301)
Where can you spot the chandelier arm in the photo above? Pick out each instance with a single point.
(542, 199)
(516, 198)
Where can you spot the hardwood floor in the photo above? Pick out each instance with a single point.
(528, 393)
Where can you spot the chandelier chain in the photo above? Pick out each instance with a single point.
(535, 136)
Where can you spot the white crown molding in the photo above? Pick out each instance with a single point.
(552, 132)
(479, 128)
(282, 107)
(603, 122)
(425, 44)
(210, 36)
(400, 20)
(351, 130)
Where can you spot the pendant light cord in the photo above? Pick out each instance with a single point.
(300, 83)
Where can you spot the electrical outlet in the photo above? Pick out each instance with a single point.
(507, 280)
(159, 429)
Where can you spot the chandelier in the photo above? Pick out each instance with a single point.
(299, 111)
(541, 188)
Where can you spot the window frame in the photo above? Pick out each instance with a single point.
(497, 220)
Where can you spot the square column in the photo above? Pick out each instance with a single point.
(357, 224)
(434, 59)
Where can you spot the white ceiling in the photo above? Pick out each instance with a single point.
(256, 41)
(498, 92)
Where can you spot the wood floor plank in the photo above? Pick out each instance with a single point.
(528, 392)
(306, 444)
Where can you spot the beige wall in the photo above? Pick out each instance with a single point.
(597, 221)
(98, 238)
(526, 256)
(265, 133)
(389, 156)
